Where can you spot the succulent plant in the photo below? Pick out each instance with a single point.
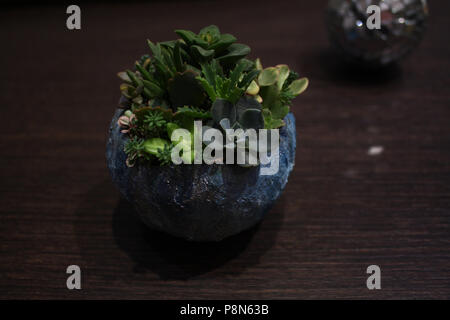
(163, 77)
(170, 73)
(204, 76)
(275, 87)
(185, 116)
(230, 88)
(164, 155)
(154, 146)
(150, 129)
(151, 121)
(127, 121)
(147, 150)
(245, 114)
(134, 149)
(209, 43)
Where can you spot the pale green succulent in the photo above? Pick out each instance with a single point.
(274, 88)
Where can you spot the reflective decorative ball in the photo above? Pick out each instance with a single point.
(402, 25)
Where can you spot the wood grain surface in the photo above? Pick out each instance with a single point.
(341, 211)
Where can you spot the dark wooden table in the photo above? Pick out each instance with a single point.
(341, 211)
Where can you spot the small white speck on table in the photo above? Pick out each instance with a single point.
(375, 150)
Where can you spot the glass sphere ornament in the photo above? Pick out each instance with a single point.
(402, 25)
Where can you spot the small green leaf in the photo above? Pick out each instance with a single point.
(192, 112)
(187, 36)
(124, 87)
(208, 88)
(268, 76)
(258, 64)
(209, 73)
(248, 78)
(253, 88)
(283, 75)
(279, 111)
(171, 127)
(168, 59)
(164, 155)
(169, 44)
(270, 96)
(164, 71)
(298, 86)
(201, 54)
(210, 33)
(191, 38)
(123, 76)
(154, 89)
(134, 80)
(156, 49)
(270, 122)
(249, 64)
(146, 93)
(217, 68)
(224, 42)
(235, 94)
(145, 74)
(142, 112)
(234, 52)
(178, 61)
(236, 74)
(153, 145)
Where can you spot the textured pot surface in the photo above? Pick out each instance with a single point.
(199, 202)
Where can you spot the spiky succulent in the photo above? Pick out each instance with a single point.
(135, 149)
(164, 155)
(219, 86)
(204, 76)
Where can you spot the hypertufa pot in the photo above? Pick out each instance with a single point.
(199, 202)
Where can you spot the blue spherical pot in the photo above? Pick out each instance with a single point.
(199, 202)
